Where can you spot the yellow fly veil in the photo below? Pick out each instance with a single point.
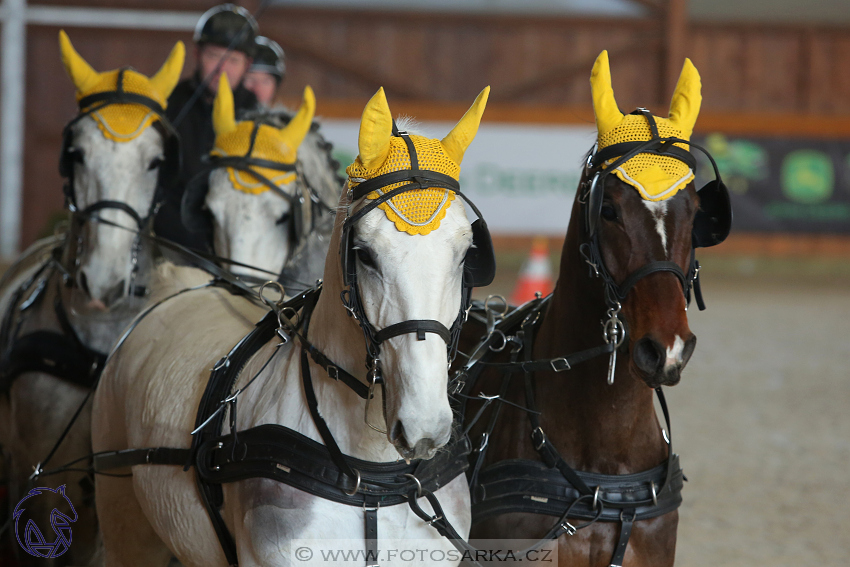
(278, 145)
(122, 122)
(656, 177)
(421, 210)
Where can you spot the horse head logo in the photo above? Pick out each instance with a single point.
(33, 541)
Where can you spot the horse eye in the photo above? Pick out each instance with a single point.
(155, 163)
(608, 213)
(76, 155)
(283, 218)
(365, 258)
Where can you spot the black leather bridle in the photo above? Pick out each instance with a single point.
(712, 224)
(305, 206)
(88, 105)
(479, 263)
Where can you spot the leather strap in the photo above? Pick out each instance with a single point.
(626, 524)
(130, 457)
(370, 519)
(556, 364)
(418, 326)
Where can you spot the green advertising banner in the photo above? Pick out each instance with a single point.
(783, 185)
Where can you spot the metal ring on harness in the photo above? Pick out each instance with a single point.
(356, 486)
(418, 484)
(272, 304)
(505, 306)
(502, 346)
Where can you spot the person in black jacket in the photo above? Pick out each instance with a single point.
(266, 72)
(224, 43)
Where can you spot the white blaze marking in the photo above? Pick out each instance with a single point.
(658, 210)
(674, 353)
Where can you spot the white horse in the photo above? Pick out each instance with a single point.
(406, 270)
(276, 221)
(112, 154)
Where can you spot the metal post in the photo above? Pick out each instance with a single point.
(12, 125)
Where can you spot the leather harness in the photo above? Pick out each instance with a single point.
(281, 454)
(552, 487)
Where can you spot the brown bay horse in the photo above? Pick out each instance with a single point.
(628, 263)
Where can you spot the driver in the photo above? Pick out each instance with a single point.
(224, 43)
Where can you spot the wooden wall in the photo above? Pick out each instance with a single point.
(755, 78)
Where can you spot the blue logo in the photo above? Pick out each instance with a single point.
(33, 541)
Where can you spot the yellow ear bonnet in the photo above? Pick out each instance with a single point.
(122, 122)
(655, 177)
(419, 211)
(272, 144)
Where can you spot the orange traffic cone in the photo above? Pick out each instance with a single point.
(535, 274)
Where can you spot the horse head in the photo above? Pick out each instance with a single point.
(639, 206)
(112, 155)
(406, 265)
(257, 204)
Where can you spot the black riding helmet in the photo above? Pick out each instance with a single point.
(268, 58)
(228, 25)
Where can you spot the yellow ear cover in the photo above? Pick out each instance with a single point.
(294, 132)
(376, 127)
(272, 144)
(168, 75)
(605, 106)
(456, 142)
(224, 113)
(687, 99)
(655, 177)
(418, 211)
(121, 122)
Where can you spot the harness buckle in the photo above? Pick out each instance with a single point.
(332, 371)
(560, 364)
(568, 528)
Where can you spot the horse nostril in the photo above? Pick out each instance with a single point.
(397, 432)
(649, 356)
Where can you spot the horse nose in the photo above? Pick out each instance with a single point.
(423, 448)
(663, 364)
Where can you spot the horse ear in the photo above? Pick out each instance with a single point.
(84, 77)
(166, 78)
(376, 128)
(605, 107)
(684, 108)
(456, 142)
(224, 117)
(294, 132)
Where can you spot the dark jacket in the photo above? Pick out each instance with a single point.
(196, 140)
